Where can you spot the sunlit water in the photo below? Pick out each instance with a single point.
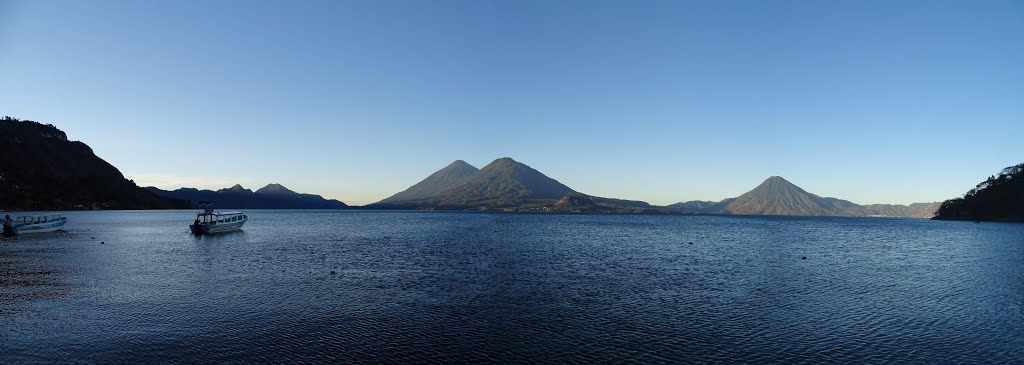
(135, 287)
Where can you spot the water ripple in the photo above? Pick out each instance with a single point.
(387, 287)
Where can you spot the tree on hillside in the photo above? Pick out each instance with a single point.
(1000, 197)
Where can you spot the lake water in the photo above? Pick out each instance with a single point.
(417, 287)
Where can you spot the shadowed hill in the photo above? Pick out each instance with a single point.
(434, 184)
(236, 189)
(41, 170)
(273, 196)
(998, 198)
(277, 189)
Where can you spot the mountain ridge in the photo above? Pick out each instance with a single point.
(271, 196)
(40, 169)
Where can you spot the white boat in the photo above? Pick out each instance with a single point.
(209, 222)
(33, 224)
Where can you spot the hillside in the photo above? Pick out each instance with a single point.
(916, 210)
(272, 196)
(583, 203)
(574, 202)
(998, 198)
(434, 184)
(693, 206)
(777, 196)
(41, 170)
(504, 184)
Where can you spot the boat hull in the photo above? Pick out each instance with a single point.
(40, 227)
(213, 228)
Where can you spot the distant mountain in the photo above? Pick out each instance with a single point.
(504, 184)
(41, 170)
(236, 189)
(998, 198)
(277, 189)
(693, 206)
(776, 196)
(916, 210)
(273, 196)
(435, 184)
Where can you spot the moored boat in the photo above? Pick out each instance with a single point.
(29, 224)
(209, 222)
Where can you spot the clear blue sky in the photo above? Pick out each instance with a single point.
(871, 101)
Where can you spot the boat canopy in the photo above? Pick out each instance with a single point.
(207, 216)
(38, 218)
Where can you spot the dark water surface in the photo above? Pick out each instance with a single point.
(520, 288)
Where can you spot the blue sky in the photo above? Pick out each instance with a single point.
(663, 101)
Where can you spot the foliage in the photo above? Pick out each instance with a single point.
(998, 198)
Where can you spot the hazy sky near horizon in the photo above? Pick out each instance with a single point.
(662, 101)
